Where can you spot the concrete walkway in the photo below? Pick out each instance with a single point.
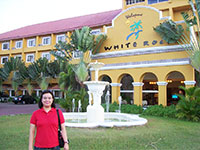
(13, 109)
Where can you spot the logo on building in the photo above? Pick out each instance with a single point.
(135, 29)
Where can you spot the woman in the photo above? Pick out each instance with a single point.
(44, 122)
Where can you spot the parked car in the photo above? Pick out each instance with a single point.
(3, 97)
(24, 99)
(18, 99)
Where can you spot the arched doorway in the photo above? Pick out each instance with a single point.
(150, 89)
(174, 79)
(126, 89)
(108, 88)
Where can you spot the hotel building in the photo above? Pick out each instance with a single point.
(139, 65)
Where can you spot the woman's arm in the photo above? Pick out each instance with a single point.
(31, 136)
(64, 135)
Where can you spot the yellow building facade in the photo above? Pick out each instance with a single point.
(139, 65)
(135, 52)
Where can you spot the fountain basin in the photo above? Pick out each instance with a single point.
(79, 120)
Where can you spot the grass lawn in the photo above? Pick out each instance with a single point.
(157, 134)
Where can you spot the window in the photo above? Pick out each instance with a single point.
(30, 58)
(77, 54)
(46, 40)
(46, 55)
(60, 54)
(18, 56)
(95, 32)
(155, 1)
(5, 46)
(60, 38)
(57, 94)
(18, 44)
(12, 93)
(4, 59)
(31, 43)
(129, 2)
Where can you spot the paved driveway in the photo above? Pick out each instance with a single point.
(12, 109)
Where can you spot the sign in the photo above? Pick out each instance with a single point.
(133, 28)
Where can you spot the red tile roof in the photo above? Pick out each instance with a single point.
(59, 26)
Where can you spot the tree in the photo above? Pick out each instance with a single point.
(172, 33)
(13, 67)
(82, 41)
(189, 105)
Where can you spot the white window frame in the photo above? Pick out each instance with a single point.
(95, 32)
(18, 56)
(29, 40)
(8, 45)
(158, 1)
(77, 54)
(3, 57)
(44, 40)
(60, 54)
(130, 2)
(46, 55)
(27, 58)
(59, 36)
(16, 44)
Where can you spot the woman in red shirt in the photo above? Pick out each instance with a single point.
(44, 122)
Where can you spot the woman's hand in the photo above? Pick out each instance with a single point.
(66, 146)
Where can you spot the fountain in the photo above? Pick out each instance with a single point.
(95, 115)
(95, 112)
(73, 105)
(79, 106)
(107, 98)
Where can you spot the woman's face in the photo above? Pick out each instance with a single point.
(47, 100)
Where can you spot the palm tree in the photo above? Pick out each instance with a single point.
(80, 41)
(172, 33)
(13, 66)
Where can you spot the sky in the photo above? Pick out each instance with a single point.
(19, 13)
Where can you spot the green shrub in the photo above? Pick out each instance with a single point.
(188, 107)
(112, 107)
(125, 108)
(66, 103)
(159, 110)
(132, 109)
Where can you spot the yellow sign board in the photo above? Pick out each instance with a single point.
(133, 29)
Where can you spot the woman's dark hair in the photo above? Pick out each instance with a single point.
(40, 105)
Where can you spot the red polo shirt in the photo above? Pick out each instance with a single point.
(47, 127)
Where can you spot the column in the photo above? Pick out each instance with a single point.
(53, 91)
(37, 93)
(115, 91)
(137, 98)
(10, 48)
(162, 93)
(23, 47)
(10, 93)
(53, 41)
(189, 84)
(36, 52)
(23, 92)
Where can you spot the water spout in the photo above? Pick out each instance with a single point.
(73, 105)
(120, 102)
(79, 106)
(107, 98)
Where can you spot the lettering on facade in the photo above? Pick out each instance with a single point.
(132, 45)
(133, 15)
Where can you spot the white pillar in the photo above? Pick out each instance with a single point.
(37, 93)
(190, 83)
